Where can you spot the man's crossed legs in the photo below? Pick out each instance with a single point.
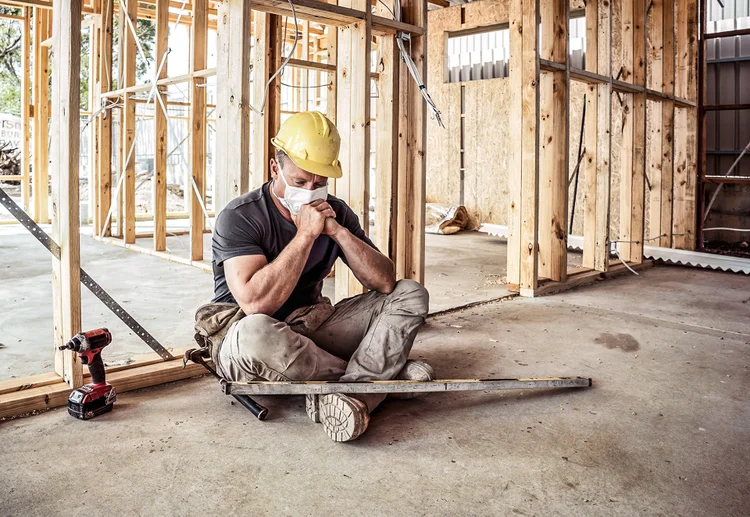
(367, 338)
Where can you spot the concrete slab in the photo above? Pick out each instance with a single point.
(665, 430)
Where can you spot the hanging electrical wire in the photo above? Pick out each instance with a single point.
(279, 70)
(413, 70)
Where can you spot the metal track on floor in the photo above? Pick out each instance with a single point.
(669, 255)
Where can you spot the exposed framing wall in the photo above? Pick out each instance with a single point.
(538, 106)
(402, 142)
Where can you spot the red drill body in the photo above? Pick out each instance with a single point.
(98, 397)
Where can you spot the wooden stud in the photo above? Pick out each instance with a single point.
(232, 102)
(41, 116)
(553, 174)
(633, 185)
(198, 33)
(515, 175)
(65, 213)
(127, 123)
(25, 107)
(353, 121)
(104, 121)
(94, 101)
(161, 129)
(267, 41)
(415, 13)
(386, 155)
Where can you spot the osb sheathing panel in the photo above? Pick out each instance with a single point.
(443, 145)
(486, 133)
(486, 151)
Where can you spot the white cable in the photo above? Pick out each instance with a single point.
(721, 228)
(617, 254)
(200, 201)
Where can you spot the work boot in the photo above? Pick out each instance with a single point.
(344, 418)
(413, 371)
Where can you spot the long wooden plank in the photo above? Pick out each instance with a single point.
(127, 124)
(198, 35)
(104, 121)
(161, 131)
(50, 396)
(65, 212)
(232, 102)
(93, 127)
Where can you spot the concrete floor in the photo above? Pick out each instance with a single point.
(664, 431)
(163, 295)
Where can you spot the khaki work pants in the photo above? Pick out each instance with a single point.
(368, 337)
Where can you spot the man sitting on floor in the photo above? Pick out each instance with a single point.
(273, 247)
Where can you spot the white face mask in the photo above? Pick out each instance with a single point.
(295, 197)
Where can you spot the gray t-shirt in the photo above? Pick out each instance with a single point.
(252, 225)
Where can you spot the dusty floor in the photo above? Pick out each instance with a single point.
(163, 295)
(664, 431)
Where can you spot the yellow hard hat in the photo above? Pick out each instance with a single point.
(312, 142)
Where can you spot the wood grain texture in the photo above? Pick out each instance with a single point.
(65, 184)
(161, 133)
(515, 162)
(127, 123)
(198, 35)
(232, 102)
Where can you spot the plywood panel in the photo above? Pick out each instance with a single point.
(486, 154)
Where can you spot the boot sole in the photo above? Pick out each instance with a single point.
(343, 418)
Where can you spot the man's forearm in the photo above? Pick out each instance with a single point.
(272, 285)
(371, 267)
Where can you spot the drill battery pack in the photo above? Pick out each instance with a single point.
(91, 400)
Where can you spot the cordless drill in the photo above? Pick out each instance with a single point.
(98, 397)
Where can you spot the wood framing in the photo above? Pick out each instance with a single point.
(25, 107)
(267, 41)
(66, 280)
(386, 154)
(128, 19)
(161, 144)
(232, 102)
(103, 164)
(40, 182)
(353, 121)
(553, 174)
(197, 188)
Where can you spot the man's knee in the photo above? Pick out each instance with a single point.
(412, 295)
(254, 335)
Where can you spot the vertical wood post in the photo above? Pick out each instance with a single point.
(161, 129)
(686, 127)
(65, 182)
(25, 107)
(128, 9)
(386, 209)
(41, 115)
(198, 33)
(232, 102)
(267, 39)
(667, 124)
(353, 103)
(104, 121)
(553, 174)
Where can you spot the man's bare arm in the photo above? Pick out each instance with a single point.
(371, 267)
(262, 288)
